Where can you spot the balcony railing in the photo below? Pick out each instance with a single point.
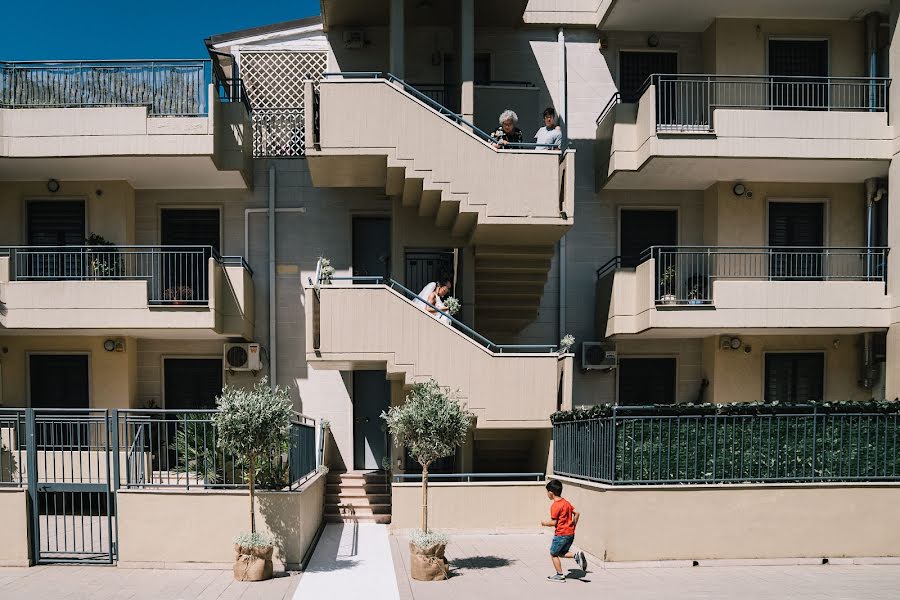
(174, 274)
(801, 444)
(684, 274)
(166, 87)
(686, 103)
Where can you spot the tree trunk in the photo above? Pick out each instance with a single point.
(425, 498)
(251, 476)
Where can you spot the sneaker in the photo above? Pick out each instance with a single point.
(559, 577)
(581, 560)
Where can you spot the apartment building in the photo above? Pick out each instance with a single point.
(715, 227)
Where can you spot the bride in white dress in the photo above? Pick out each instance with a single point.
(432, 294)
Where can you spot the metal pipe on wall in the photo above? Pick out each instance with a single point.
(873, 22)
(273, 304)
(563, 115)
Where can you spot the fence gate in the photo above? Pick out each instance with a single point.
(71, 473)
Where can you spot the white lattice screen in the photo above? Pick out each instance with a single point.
(274, 82)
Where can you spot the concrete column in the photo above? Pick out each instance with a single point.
(467, 58)
(892, 368)
(397, 39)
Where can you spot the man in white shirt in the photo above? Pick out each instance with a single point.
(550, 134)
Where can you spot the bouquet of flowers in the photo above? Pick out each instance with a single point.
(566, 343)
(327, 271)
(452, 305)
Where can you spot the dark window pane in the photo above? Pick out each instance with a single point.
(192, 383)
(636, 67)
(640, 229)
(794, 377)
(644, 381)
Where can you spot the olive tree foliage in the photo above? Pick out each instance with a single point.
(253, 422)
(431, 424)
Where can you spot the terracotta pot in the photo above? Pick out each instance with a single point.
(253, 564)
(428, 564)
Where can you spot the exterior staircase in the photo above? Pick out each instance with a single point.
(363, 496)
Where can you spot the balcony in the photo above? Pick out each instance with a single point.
(379, 326)
(151, 291)
(512, 204)
(701, 291)
(159, 124)
(689, 131)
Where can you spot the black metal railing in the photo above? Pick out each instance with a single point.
(467, 477)
(174, 274)
(686, 102)
(799, 446)
(179, 449)
(684, 274)
(12, 447)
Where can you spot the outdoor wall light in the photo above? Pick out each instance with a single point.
(653, 40)
(109, 345)
(739, 189)
(52, 186)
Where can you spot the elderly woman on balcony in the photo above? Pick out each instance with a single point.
(507, 133)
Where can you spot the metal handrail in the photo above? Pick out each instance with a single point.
(468, 477)
(609, 266)
(436, 106)
(615, 100)
(410, 295)
(724, 76)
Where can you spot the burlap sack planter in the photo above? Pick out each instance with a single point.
(428, 564)
(253, 564)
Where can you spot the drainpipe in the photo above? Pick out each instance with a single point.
(874, 193)
(273, 304)
(873, 22)
(563, 124)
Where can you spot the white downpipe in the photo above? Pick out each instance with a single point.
(273, 304)
(563, 123)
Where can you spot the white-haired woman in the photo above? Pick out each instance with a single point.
(508, 132)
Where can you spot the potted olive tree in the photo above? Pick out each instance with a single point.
(431, 424)
(251, 423)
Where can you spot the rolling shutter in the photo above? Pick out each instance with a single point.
(56, 223)
(192, 383)
(794, 377)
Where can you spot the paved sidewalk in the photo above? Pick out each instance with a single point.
(65, 582)
(515, 567)
(352, 560)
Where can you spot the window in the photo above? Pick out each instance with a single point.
(56, 223)
(789, 59)
(794, 377)
(192, 383)
(645, 381)
(636, 67)
(800, 225)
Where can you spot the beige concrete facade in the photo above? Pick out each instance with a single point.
(158, 529)
(15, 550)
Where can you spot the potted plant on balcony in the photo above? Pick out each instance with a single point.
(431, 424)
(251, 423)
(178, 294)
(100, 263)
(667, 285)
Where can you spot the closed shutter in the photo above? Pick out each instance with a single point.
(190, 227)
(797, 224)
(636, 67)
(799, 69)
(192, 383)
(644, 381)
(794, 377)
(56, 223)
(58, 381)
(640, 229)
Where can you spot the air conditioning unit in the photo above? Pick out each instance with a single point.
(354, 39)
(242, 357)
(596, 356)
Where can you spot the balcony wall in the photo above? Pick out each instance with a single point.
(742, 144)
(126, 142)
(740, 305)
(122, 307)
(373, 327)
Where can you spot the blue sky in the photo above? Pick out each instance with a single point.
(105, 29)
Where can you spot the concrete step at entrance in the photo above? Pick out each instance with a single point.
(357, 496)
(350, 500)
(359, 518)
(346, 510)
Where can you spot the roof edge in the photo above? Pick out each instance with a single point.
(262, 30)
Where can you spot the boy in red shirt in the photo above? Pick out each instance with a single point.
(564, 518)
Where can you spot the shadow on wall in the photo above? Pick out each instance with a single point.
(333, 457)
(286, 526)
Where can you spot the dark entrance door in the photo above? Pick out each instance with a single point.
(640, 229)
(371, 396)
(371, 247)
(59, 381)
(425, 266)
(795, 377)
(796, 233)
(192, 383)
(644, 381)
(190, 234)
(636, 67)
(799, 69)
(53, 223)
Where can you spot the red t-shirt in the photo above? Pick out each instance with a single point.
(562, 510)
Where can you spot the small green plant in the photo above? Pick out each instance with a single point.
(254, 540)
(195, 446)
(178, 293)
(253, 423)
(101, 259)
(566, 343)
(667, 281)
(326, 272)
(452, 305)
(431, 424)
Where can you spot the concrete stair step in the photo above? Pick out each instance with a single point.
(358, 518)
(349, 510)
(368, 500)
(357, 491)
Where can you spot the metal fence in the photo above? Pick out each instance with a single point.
(684, 274)
(687, 102)
(467, 477)
(179, 449)
(12, 451)
(174, 274)
(801, 447)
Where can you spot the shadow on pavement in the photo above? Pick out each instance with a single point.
(476, 563)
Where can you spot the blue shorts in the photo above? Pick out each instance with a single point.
(561, 544)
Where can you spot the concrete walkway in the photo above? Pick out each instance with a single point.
(515, 567)
(352, 560)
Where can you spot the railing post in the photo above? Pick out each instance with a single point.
(31, 461)
(113, 425)
(613, 444)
